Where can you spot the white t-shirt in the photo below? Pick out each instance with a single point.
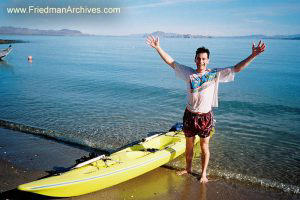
(202, 88)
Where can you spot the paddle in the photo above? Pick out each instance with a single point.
(151, 137)
(88, 162)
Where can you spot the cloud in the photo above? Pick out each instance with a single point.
(270, 10)
(169, 2)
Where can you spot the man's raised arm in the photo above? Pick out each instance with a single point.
(154, 43)
(255, 52)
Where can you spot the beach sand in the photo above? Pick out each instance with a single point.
(26, 157)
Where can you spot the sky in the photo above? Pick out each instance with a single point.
(197, 17)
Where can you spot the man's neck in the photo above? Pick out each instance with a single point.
(199, 70)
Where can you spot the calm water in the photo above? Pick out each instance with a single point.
(106, 92)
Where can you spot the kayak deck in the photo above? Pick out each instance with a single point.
(114, 169)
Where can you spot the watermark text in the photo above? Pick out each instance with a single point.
(62, 10)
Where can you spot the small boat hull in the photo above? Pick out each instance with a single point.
(5, 52)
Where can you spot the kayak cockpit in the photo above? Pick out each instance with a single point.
(158, 143)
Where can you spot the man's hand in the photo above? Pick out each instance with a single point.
(255, 52)
(259, 49)
(153, 42)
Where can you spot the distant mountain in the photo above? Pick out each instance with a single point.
(286, 37)
(169, 35)
(176, 35)
(27, 31)
(295, 38)
(66, 32)
(246, 37)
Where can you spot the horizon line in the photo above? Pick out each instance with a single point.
(146, 33)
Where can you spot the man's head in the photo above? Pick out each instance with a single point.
(202, 58)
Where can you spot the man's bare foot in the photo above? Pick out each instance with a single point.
(183, 172)
(203, 179)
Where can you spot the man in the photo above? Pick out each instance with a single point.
(202, 89)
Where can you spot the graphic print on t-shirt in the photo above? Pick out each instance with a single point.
(199, 83)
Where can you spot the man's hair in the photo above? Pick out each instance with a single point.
(202, 50)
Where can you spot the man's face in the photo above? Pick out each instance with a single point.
(201, 61)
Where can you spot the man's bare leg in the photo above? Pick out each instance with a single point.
(204, 144)
(189, 153)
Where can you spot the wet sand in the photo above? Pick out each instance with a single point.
(25, 157)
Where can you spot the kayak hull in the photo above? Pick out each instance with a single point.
(118, 167)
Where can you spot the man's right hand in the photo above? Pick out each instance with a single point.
(153, 42)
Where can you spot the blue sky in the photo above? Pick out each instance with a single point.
(204, 17)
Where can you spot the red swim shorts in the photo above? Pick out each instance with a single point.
(197, 124)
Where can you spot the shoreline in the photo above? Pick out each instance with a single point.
(26, 157)
(11, 41)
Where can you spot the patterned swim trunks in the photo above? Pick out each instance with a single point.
(197, 124)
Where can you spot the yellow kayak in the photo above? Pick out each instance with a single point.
(105, 171)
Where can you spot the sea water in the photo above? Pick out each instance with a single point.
(106, 92)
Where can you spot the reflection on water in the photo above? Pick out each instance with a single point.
(190, 192)
(4, 64)
(202, 191)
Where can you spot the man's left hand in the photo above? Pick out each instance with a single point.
(258, 49)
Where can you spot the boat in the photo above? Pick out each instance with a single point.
(106, 171)
(5, 52)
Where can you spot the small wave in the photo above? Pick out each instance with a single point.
(179, 164)
(27, 129)
(257, 181)
(50, 134)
